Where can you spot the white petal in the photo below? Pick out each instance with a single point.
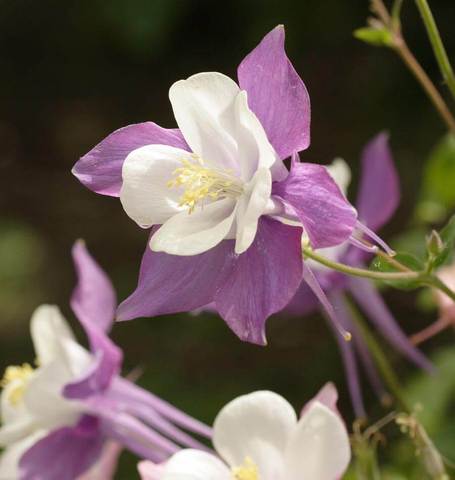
(254, 149)
(195, 465)
(150, 471)
(77, 359)
(14, 431)
(9, 459)
(145, 195)
(255, 426)
(319, 447)
(339, 170)
(204, 107)
(196, 232)
(49, 329)
(44, 400)
(252, 205)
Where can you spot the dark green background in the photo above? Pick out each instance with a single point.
(73, 71)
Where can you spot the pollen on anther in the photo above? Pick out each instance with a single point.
(201, 182)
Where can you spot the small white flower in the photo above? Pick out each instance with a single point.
(32, 403)
(259, 437)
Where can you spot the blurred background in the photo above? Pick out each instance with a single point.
(72, 72)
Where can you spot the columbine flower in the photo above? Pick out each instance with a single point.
(56, 417)
(259, 437)
(377, 200)
(231, 214)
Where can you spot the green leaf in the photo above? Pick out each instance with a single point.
(447, 235)
(439, 175)
(379, 264)
(379, 37)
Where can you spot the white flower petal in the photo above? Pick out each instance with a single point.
(76, 358)
(252, 205)
(145, 195)
(255, 426)
(16, 430)
(150, 471)
(254, 148)
(319, 446)
(196, 232)
(54, 342)
(49, 329)
(9, 459)
(44, 399)
(339, 170)
(192, 464)
(204, 107)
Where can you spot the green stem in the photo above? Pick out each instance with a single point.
(436, 42)
(424, 278)
(381, 360)
(359, 272)
(401, 48)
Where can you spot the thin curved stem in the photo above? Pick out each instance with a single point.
(419, 73)
(359, 272)
(400, 47)
(423, 278)
(438, 47)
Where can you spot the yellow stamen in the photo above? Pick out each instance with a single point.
(247, 471)
(201, 182)
(20, 374)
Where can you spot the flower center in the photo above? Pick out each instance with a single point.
(247, 471)
(201, 183)
(20, 374)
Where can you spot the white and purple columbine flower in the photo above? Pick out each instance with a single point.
(226, 214)
(60, 418)
(259, 437)
(377, 200)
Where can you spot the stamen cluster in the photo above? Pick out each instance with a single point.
(201, 182)
(247, 471)
(20, 374)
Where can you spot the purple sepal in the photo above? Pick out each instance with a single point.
(100, 170)
(107, 361)
(327, 217)
(63, 454)
(174, 283)
(303, 302)
(379, 189)
(276, 94)
(94, 302)
(246, 288)
(260, 281)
